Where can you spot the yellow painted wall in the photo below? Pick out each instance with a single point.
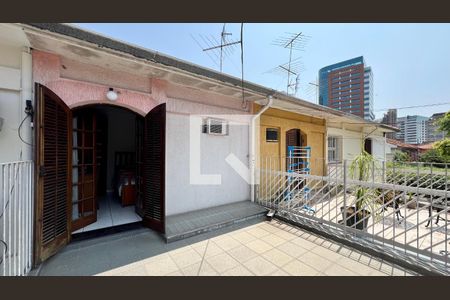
(314, 129)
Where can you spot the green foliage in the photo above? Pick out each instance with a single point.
(443, 148)
(433, 156)
(401, 156)
(444, 123)
(361, 169)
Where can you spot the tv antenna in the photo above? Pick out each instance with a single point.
(219, 49)
(223, 49)
(293, 42)
(293, 69)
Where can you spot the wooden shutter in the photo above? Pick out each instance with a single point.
(292, 138)
(154, 168)
(53, 174)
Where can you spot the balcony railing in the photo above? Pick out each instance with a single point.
(16, 217)
(399, 209)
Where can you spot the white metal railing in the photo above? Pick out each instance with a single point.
(403, 209)
(16, 218)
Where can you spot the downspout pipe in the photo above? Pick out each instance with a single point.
(253, 145)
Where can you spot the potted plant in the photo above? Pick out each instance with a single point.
(365, 204)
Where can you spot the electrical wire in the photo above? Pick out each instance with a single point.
(18, 130)
(415, 106)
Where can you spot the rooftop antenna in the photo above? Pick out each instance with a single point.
(220, 49)
(293, 42)
(225, 48)
(293, 69)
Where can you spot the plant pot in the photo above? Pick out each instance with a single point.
(353, 220)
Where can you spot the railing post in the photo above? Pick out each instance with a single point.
(344, 213)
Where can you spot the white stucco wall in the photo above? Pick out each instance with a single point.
(15, 88)
(352, 141)
(181, 196)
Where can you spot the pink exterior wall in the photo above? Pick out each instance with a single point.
(46, 71)
(82, 84)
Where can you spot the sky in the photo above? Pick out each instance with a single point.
(410, 62)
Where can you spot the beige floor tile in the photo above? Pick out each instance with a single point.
(259, 246)
(207, 270)
(292, 249)
(298, 268)
(186, 258)
(243, 237)
(238, 271)
(269, 227)
(258, 232)
(355, 266)
(337, 270)
(242, 253)
(192, 270)
(326, 253)
(286, 235)
(200, 247)
(318, 262)
(176, 273)
(304, 243)
(212, 249)
(277, 257)
(279, 272)
(273, 239)
(227, 243)
(377, 273)
(161, 266)
(260, 266)
(222, 262)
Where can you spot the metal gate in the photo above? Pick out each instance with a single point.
(16, 218)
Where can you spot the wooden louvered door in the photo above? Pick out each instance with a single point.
(53, 176)
(154, 168)
(84, 169)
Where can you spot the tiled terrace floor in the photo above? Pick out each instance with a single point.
(266, 248)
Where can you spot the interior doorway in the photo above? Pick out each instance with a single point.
(107, 146)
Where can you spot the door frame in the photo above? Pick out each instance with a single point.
(38, 254)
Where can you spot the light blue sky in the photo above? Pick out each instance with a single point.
(410, 62)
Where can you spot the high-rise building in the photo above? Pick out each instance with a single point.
(390, 118)
(413, 129)
(348, 86)
(433, 132)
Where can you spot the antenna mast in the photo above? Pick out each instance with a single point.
(293, 42)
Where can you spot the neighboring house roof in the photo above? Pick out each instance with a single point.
(155, 57)
(427, 146)
(400, 144)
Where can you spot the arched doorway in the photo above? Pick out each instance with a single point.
(107, 143)
(70, 173)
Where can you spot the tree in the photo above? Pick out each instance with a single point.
(443, 148)
(444, 123)
(432, 156)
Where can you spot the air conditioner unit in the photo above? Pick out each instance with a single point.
(215, 126)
